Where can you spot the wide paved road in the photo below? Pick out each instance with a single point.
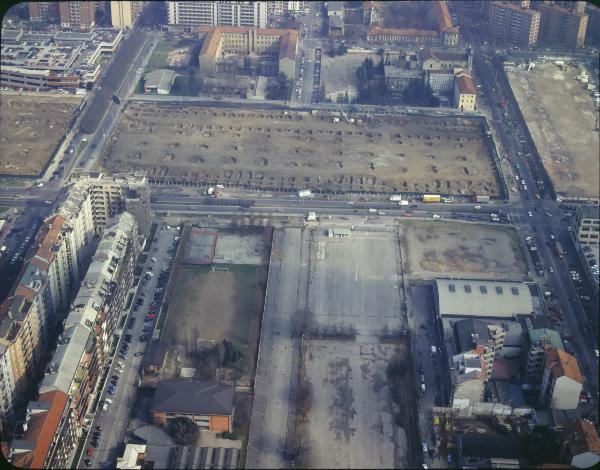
(115, 419)
(513, 131)
(269, 424)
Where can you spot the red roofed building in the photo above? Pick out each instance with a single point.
(465, 94)
(581, 445)
(279, 45)
(562, 380)
(445, 33)
(47, 433)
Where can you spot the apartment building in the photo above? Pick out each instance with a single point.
(587, 224)
(83, 347)
(124, 14)
(465, 94)
(514, 24)
(78, 14)
(562, 381)
(20, 339)
(111, 195)
(562, 26)
(479, 337)
(43, 11)
(284, 7)
(278, 45)
(537, 342)
(39, 299)
(210, 13)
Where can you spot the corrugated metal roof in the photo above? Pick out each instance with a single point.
(493, 299)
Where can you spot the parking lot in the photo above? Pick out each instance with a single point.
(351, 420)
(355, 282)
(107, 430)
(354, 291)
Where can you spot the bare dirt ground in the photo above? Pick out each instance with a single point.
(30, 129)
(215, 305)
(350, 424)
(277, 149)
(452, 249)
(561, 115)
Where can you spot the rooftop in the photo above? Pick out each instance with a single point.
(193, 397)
(379, 31)
(488, 446)
(288, 38)
(589, 211)
(516, 8)
(493, 299)
(563, 364)
(545, 337)
(580, 437)
(470, 333)
(42, 426)
(465, 85)
(160, 78)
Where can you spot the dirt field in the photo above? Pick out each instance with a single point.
(30, 129)
(561, 116)
(351, 420)
(217, 305)
(277, 149)
(452, 249)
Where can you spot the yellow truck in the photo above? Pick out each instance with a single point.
(432, 198)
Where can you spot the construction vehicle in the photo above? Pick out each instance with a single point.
(304, 193)
(311, 217)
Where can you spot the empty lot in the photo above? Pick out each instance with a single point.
(561, 117)
(351, 421)
(454, 249)
(281, 149)
(355, 282)
(30, 129)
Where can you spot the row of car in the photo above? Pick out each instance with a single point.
(317, 77)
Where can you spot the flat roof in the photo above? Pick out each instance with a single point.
(159, 79)
(493, 299)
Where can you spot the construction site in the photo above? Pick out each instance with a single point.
(563, 121)
(288, 150)
(32, 127)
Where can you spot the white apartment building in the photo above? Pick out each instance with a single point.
(206, 13)
(39, 300)
(282, 7)
(123, 14)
